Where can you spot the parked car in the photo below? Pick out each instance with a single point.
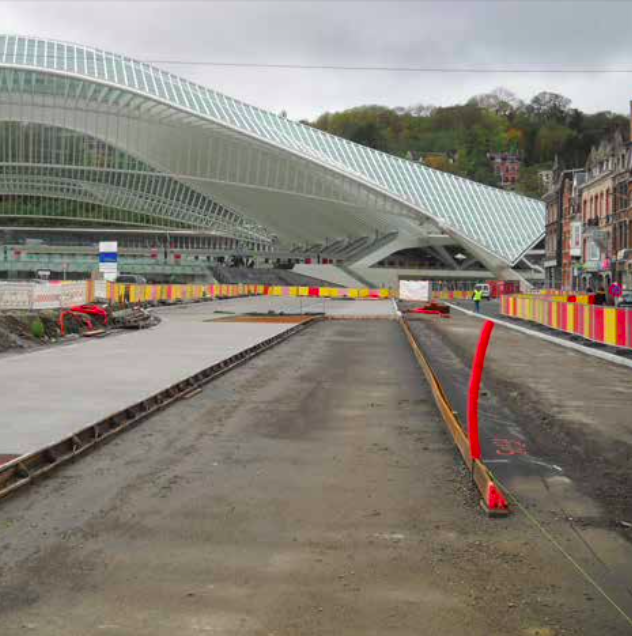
(485, 288)
(625, 300)
(131, 279)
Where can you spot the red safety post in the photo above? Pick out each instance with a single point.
(475, 386)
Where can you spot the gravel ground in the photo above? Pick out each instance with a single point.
(310, 492)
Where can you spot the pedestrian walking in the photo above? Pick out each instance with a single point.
(477, 296)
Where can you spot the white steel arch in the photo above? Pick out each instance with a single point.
(263, 171)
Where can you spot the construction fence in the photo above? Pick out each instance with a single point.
(33, 296)
(59, 295)
(560, 296)
(119, 293)
(452, 295)
(548, 294)
(606, 325)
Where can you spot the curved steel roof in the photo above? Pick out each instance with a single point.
(503, 223)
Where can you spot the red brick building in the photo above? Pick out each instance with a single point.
(507, 166)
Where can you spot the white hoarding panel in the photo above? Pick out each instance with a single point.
(418, 290)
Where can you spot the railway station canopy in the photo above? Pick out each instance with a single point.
(117, 139)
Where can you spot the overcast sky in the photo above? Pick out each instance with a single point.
(506, 34)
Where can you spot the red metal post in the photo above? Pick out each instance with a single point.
(475, 386)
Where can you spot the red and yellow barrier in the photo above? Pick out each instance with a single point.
(606, 325)
(452, 295)
(559, 296)
(121, 293)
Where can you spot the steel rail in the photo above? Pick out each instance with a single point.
(26, 469)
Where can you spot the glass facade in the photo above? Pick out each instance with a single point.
(503, 223)
(88, 176)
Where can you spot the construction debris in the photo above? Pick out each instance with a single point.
(134, 318)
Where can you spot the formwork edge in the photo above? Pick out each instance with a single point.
(26, 469)
(482, 477)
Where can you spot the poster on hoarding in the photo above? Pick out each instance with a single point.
(418, 290)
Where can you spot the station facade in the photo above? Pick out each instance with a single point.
(95, 143)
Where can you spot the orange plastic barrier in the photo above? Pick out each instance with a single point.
(607, 325)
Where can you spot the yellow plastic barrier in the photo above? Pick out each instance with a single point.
(120, 293)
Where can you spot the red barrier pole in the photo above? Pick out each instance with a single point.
(475, 386)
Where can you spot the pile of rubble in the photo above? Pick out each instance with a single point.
(29, 329)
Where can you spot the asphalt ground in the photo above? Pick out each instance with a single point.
(556, 430)
(312, 491)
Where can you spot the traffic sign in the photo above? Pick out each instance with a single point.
(615, 290)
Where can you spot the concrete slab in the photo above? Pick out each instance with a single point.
(284, 304)
(52, 393)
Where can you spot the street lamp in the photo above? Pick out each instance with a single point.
(460, 257)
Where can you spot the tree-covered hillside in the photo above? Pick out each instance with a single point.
(462, 135)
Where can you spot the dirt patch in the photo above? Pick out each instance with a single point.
(18, 330)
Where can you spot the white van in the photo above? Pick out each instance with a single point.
(485, 288)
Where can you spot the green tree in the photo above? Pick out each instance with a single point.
(488, 123)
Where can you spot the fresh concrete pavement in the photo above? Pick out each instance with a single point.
(52, 393)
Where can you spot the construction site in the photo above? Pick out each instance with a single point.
(261, 380)
(289, 465)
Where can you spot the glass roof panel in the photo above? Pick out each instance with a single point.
(504, 223)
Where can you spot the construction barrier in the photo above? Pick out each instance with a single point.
(123, 293)
(548, 294)
(559, 296)
(61, 295)
(452, 295)
(606, 325)
(31, 296)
